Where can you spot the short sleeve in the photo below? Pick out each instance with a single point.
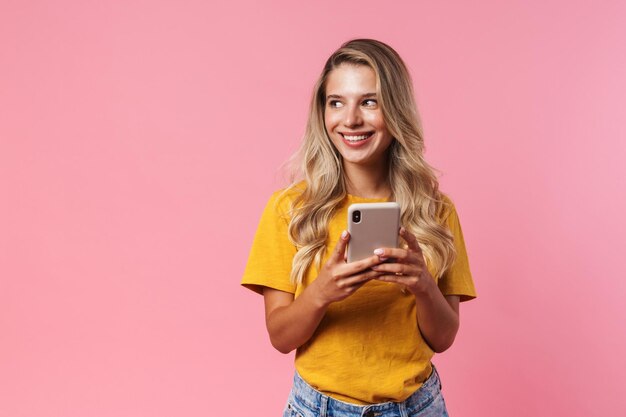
(457, 279)
(271, 255)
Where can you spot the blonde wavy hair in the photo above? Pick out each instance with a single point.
(318, 177)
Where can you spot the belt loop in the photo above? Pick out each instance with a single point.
(402, 409)
(323, 406)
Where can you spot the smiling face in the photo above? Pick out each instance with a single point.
(353, 118)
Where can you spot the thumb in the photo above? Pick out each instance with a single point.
(340, 248)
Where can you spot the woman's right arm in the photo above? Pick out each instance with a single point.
(291, 322)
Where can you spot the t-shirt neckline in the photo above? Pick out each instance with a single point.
(357, 199)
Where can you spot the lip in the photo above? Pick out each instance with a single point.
(366, 132)
(359, 143)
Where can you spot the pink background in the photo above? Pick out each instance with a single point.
(139, 141)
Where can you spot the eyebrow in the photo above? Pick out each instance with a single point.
(339, 96)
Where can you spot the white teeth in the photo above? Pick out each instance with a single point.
(356, 138)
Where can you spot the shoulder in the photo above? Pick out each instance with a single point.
(290, 193)
(282, 201)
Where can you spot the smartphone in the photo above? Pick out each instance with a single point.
(371, 226)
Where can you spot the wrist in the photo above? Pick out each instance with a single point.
(317, 296)
(426, 288)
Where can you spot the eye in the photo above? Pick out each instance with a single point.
(335, 103)
(370, 102)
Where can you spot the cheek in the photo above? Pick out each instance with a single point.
(328, 127)
(330, 122)
(376, 120)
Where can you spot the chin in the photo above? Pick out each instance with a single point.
(359, 160)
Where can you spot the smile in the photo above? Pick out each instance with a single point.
(357, 138)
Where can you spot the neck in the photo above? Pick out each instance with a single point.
(371, 181)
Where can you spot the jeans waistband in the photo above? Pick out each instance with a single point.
(306, 396)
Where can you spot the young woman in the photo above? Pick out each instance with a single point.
(364, 332)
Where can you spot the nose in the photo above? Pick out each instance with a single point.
(352, 116)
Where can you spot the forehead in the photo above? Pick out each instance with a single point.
(351, 80)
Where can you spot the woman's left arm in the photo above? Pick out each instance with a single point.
(437, 315)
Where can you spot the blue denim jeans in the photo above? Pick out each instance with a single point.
(305, 401)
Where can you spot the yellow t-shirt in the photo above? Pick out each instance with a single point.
(367, 348)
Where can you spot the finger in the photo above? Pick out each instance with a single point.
(396, 279)
(340, 248)
(400, 255)
(353, 288)
(358, 279)
(348, 271)
(397, 269)
(358, 266)
(410, 239)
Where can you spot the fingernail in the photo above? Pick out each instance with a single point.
(344, 234)
(378, 251)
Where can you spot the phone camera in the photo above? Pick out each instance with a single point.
(356, 216)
